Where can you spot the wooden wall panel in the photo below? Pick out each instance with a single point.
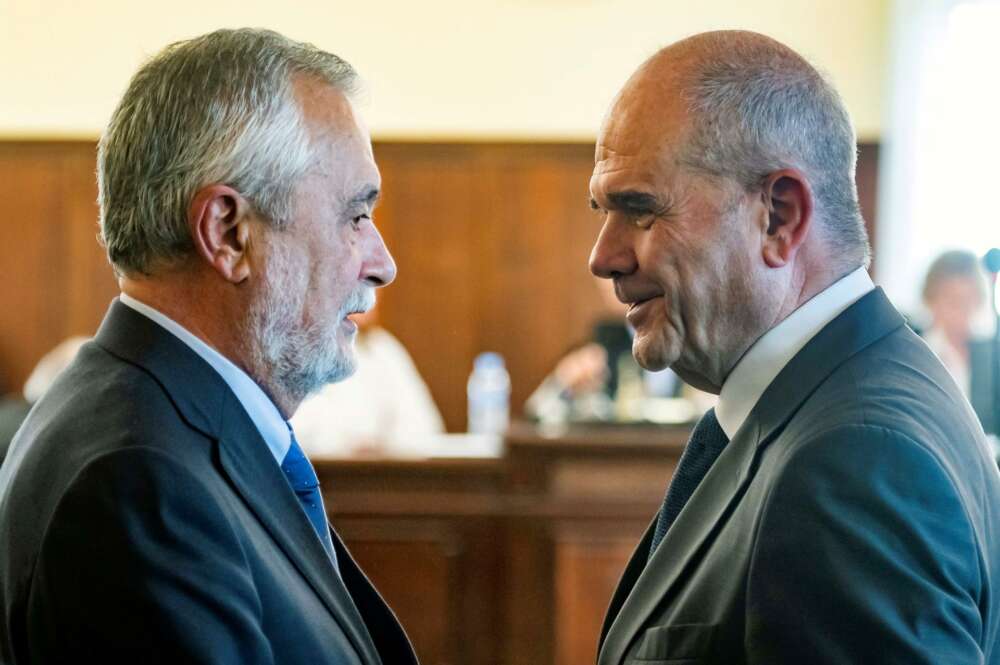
(430, 535)
(428, 203)
(427, 603)
(491, 241)
(57, 281)
(589, 563)
(867, 180)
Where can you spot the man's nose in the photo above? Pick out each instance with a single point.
(611, 255)
(379, 268)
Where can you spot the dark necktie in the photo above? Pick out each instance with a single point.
(305, 484)
(706, 443)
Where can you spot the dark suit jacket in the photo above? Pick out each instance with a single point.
(144, 520)
(854, 518)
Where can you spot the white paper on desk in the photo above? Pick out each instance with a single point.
(478, 446)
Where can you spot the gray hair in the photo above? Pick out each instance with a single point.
(757, 107)
(219, 108)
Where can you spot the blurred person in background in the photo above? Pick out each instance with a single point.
(14, 409)
(955, 293)
(384, 408)
(51, 366)
(585, 383)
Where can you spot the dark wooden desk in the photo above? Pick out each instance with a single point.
(506, 561)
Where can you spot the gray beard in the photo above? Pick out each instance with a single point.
(295, 360)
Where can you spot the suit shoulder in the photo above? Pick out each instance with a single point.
(861, 517)
(861, 450)
(897, 385)
(896, 380)
(873, 472)
(97, 413)
(102, 402)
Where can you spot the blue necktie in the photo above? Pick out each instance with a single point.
(706, 443)
(305, 484)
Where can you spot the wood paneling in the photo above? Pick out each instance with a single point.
(428, 603)
(867, 180)
(57, 281)
(430, 535)
(491, 241)
(506, 561)
(589, 562)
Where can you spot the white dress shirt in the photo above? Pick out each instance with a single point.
(768, 356)
(256, 403)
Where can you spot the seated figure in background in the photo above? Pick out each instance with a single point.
(50, 366)
(955, 293)
(14, 408)
(601, 379)
(385, 408)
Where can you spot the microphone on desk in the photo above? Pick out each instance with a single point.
(991, 260)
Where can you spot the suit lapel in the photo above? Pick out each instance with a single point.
(206, 403)
(255, 475)
(704, 513)
(863, 323)
(632, 572)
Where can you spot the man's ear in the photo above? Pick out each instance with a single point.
(789, 201)
(220, 221)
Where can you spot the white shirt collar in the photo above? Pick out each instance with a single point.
(256, 403)
(768, 356)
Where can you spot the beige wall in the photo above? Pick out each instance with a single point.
(436, 68)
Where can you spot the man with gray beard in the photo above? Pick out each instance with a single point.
(155, 506)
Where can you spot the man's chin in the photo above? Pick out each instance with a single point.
(652, 355)
(314, 371)
(340, 367)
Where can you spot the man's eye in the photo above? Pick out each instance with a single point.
(357, 221)
(644, 220)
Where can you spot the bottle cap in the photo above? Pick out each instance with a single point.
(488, 360)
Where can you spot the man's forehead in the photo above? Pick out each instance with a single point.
(340, 138)
(644, 119)
(634, 155)
(616, 174)
(362, 183)
(330, 115)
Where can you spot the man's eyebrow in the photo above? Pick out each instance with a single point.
(368, 195)
(632, 201)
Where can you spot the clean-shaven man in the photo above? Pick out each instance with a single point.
(840, 504)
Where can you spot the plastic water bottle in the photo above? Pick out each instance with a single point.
(489, 395)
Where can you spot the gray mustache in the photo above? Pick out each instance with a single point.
(362, 299)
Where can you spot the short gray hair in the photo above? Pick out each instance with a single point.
(757, 107)
(219, 108)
